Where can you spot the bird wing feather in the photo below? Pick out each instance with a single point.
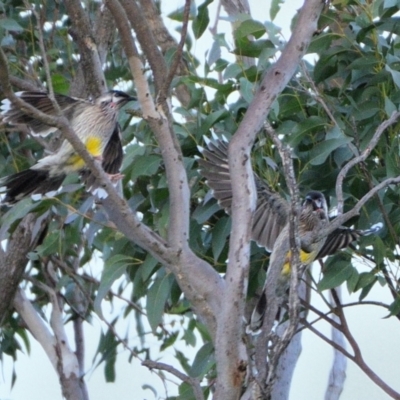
(272, 210)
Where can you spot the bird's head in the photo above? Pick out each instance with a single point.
(315, 201)
(114, 99)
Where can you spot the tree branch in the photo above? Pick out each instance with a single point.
(193, 382)
(199, 281)
(228, 347)
(357, 357)
(89, 58)
(281, 344)
(337, 375)
(36, 326)
(14, 260)
(362, 157)
(178, 55)
(147, 42)
(166, 42)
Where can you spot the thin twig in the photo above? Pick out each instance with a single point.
(193, 382)
(294, 302)
(179, 50)
(362, 157)
(341, 219)
(358, 358)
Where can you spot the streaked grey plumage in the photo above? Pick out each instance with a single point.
(95, 123)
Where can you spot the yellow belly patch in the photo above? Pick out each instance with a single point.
(305, 258)
(93, 146)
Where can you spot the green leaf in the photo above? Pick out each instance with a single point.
(364, 63)
(202, 19)
(10, 25)
(177, 15)
(390, 108)
(183, 360)
(379, 249)
(149, 387)
(156, 298)
(335, 275)
(204, 211)
(212, 119)
(131, 152)
(232, 71)
(169, 341)
(214, 54)
(145, 165)
(250, 27)
(107, 348)
(15, 213)
(366, 289)
(394, 308)
(203, 361)
(189, 337)
(220, 233)
(60, 83)
(395, 75)
(322, 42)
(114, 268)
(390, 3)
(274, 9)
(246, 89)
(50, 245)
(365, 279)
(304, 128)
(186, 392)
(352, 281)
(148, 266)
(251, 48)
(322, 150)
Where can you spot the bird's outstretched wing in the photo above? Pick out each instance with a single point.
(41, 101)
(271, 211)
(342, 237)
(271, 214)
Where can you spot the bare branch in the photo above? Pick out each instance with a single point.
(36, 326)
(193, 382)
(337, 375)
(190, 271)
(147, 42)
(166, 42)
(90, 60)
(23, 84)
(104, 28)
(341, 219)
(358, 358)
(228, 346)
(39, 24)
(294, 302)
(14, 261)
(362, 157)
(178, 54)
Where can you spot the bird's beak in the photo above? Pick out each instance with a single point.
(317, 205)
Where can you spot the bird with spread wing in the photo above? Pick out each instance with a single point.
(271, 222)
